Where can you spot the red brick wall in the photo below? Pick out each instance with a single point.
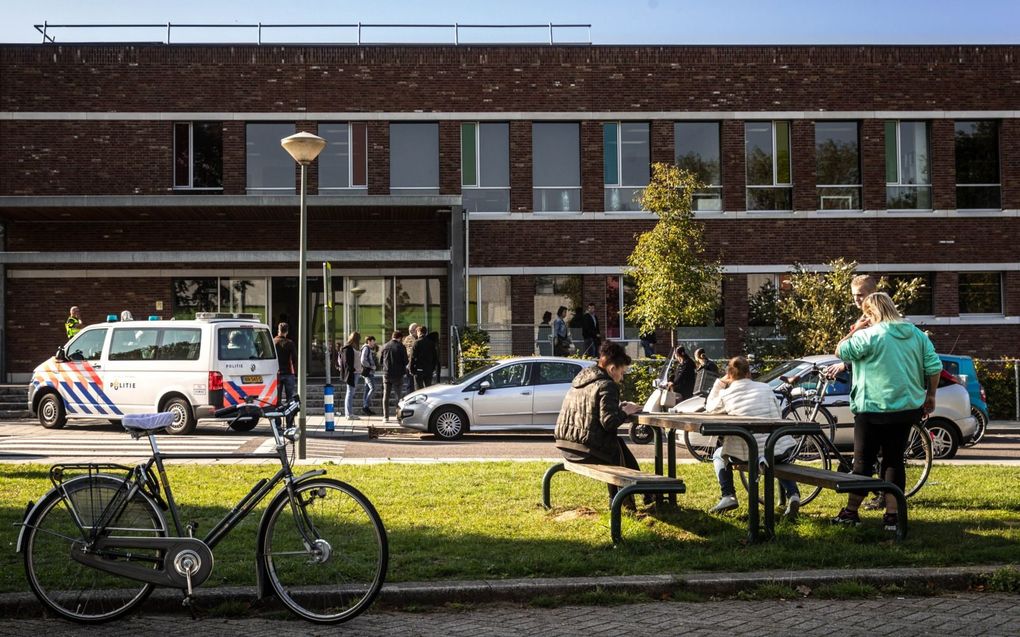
(735, 320)
(522, 313)
(520, 166)
(734, 176)
(873, 163)
(662, 143)
(947, 294)
(1009, 169)
(593, 197)
(803, 151)
(943, 164)
(235, 159)
(378, 158)
(449, 158)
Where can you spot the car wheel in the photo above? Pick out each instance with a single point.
(448, 423)
(944, 439)
(641, 434)
(52, 414)
(244, 424)
(979, 429)
(184, 418)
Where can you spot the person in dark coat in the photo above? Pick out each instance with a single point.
(424, 359)
(586, 430)
(682, 381)
(394, 367)
(591, 332)
(348, 372)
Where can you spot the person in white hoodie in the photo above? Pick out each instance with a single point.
(737, 395)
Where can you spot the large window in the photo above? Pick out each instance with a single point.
(485, 166)
(414, 159)
(198, 155)
(556, 167)
(219, 295)
(271, 171)
(626, 161)
(343, 164)
(763, 292)
(489, 301)
(980, 293)
(620, 294)
(769, 183)
(977, 166)
(838, 166)
(697, 150)
(924, 303)
(907, 166)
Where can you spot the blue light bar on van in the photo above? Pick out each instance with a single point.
(112, 318)
(153, 317)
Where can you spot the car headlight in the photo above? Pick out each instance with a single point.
(416, 400)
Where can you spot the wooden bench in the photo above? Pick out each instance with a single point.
(841, 483)
(630, 481)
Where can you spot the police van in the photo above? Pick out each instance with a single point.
(188, 368)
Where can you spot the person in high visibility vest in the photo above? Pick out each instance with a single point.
(73, 322)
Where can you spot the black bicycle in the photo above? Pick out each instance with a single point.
(98, 542)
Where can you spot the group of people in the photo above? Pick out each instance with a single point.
(895, 375)
(554, 338)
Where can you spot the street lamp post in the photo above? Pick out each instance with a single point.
(304, 148)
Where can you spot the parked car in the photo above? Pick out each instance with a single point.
(950, 423)
(962, 367)
(516, 394)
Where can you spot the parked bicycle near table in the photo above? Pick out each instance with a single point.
(97, 543)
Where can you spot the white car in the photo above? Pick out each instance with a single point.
(950, 423)
(516, 394)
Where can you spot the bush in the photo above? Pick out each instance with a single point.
(638, 384)
(999, 381)
(474, 348)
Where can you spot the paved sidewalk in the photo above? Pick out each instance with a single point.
(954, 614)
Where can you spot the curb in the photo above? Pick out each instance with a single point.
(401, 594)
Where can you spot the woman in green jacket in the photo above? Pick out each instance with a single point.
(895, 375)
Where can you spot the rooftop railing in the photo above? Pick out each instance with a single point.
(360, 33)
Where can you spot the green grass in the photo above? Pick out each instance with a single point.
(485, 520)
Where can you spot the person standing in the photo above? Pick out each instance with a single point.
(368, 366)
(423, 359)
(348, 372)
(560, 333)
(394, 368)
(895, 375)
(648, 343)
(286, 355)
(682, 381)
(861, 287)
(437, 368)
(543, 338)
(703, 362)
(591, 332)
(73, 323)
(409, 341)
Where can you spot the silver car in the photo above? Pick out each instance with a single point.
(950, 423)
(516, 394)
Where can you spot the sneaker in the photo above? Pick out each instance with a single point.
(353, 417)
(847, 517)
(890, 521)
(368, 411)
(792, 507)
(726, 503)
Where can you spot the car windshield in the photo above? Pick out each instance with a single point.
(789, 368)
(472, 375)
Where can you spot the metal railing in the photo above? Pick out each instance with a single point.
(456, 31)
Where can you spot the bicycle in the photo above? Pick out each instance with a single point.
(97, 543)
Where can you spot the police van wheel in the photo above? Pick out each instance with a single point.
(52, 414)
(184, 418)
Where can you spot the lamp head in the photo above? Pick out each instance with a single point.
(303, 147)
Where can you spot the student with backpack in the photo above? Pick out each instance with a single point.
(347, 361)
(368, 366)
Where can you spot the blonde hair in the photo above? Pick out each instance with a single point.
(865, 282)
(738, 368)
(880, 307)
(354, 339)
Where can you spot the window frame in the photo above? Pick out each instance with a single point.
(1002, 297)
(477, 186)
(578, 188)
(714, 190)
(619, 186)
(859, 186)
(998, 164)
(776, 185)
(351, 188)
(191, 158)
(268, 191)
(411, 191)
(898, 124)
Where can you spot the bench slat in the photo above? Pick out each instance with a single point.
(823, 478)
(619, 476)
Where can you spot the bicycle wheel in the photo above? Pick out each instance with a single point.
(810, 451)
(979, 430)
(69, 588)
(700, 447)
(917, 458)
(340, 573)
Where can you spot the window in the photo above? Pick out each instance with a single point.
(134, 344)
(620, 294)
(271, 171)
(556, 168)
(907, 173)
(485, 166)
(245, 343)
(414, 159)
(179, 344)
(767, 147)
(556, 373)
(980, 293)
(489, 301)
(977, 166)
(418, 301)
(244, 295)
(343, 164)
(763, 292)
(198, 155)
(87, 347)
(195, 295)
(219, 295)
(924, 304)
(838, 165)
(515, 375)
(626, 163)
(697, 150)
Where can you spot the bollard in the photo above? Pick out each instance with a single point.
(327, 406)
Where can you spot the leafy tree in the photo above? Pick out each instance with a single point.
(675, 284)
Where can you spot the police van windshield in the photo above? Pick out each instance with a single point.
(245, 343)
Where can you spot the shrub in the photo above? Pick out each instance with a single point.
(999, 381)
(638, 383)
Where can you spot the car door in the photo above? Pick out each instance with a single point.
(551, 380)
(508, 399)
(81, 376)
(131, 370)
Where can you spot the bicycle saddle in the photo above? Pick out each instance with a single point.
(142, 424)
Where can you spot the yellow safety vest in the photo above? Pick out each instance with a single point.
(72, 325)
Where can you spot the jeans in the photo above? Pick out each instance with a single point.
(288, 387)
(422, 379)
(724, 472)
(649, 348)
(369, 390)
(349, 401)
(391, 386)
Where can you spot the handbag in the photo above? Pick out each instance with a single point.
(667, 398)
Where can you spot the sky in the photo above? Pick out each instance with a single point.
(618, 22)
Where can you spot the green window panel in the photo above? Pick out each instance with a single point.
(783, 152)
(469, 154)
(891, 162)
(610, 154)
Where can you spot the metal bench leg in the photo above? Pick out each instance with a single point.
(901, 513)
(546, 480)
(614, 512)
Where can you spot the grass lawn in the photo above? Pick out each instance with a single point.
(485, 520)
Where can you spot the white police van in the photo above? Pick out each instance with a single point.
(189, 368)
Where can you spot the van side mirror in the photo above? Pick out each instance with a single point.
(61, 355)
(484, 386)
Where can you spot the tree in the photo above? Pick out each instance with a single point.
(675, 284)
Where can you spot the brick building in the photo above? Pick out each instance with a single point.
(150, 178)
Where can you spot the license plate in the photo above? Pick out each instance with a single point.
(249, 380)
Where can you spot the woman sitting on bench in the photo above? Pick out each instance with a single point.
(586, 430)
(737, 395)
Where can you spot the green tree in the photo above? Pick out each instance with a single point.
(675, 284)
